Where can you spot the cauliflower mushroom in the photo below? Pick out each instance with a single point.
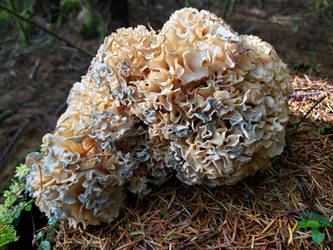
(196, 99)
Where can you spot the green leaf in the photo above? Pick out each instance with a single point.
(3, 15)
(18, 211)
(4, 220)
(164, 213)
(308, 223)
(302, 224)
(15, 187)
(323, 221)
(9, 219)
(21, 171)
(317, 236)
(28, 205)
(40, 235)
(313, 224)
(52, 221)
(45, 245)
(28, 208)
(312, 53)
(7, 235)
(326, 130)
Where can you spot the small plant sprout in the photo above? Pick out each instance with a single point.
(7, 235)
(315, 222)
(21, 171)
(13, 206)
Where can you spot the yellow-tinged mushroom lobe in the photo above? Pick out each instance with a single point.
(196, 99)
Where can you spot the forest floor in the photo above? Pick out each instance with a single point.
(35, 80)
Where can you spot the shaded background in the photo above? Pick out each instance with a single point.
(37, 70)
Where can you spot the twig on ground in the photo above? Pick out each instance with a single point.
(305, 94)
(213, 235)
(131, 244)
(13, 104)
(61, 109)
(17, 15)
(307, 113)
(43, 123)
(5, 114)
(33, 224)
(34, 70)
(13, 141)
(200, 240)
(302, 120)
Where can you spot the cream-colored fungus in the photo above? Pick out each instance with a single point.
(196, 99)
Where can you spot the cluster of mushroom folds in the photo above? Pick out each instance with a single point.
(196, 99)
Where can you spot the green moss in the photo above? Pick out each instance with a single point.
(7, 235)
(13, 206)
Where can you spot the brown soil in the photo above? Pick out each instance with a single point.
(35, 80)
